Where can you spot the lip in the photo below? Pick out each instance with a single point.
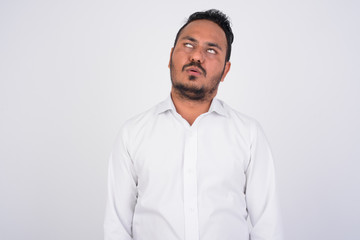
(193, 71)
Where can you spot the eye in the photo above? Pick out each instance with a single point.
(212, 51)
(188, 45)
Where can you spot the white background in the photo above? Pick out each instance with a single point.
(71, 72)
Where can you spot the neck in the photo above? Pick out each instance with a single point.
(190, 109)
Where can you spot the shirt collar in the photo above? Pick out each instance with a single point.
(217, 106)
(165, 105)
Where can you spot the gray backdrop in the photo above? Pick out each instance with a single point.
(71, 72)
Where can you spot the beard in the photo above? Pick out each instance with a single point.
(191, 92)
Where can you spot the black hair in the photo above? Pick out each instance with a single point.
(217, 17)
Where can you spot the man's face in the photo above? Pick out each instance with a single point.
(197, 62)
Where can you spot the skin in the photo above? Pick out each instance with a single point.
(202, 43)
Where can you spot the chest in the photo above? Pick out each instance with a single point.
(216, 151)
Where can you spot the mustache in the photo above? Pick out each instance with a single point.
(196, 64)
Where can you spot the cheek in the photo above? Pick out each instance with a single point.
(215, 66)
(179, 59)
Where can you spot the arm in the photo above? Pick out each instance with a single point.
(261, 196)
(122, 193)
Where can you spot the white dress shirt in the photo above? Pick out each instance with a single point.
(172, 181)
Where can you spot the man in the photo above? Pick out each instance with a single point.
(192, 168)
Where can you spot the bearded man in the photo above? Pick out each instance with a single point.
(192, 168)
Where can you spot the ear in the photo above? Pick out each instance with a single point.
(226, 70)
(171, 52)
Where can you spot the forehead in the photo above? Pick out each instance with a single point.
(204, 30)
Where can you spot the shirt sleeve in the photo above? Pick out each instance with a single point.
(261, 198)
(122, 193)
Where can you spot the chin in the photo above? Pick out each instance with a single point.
(192, 78)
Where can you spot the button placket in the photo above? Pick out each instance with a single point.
(190, 185)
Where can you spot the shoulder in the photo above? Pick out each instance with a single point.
(139, 128)
(138, 122)
(238, 117)
(244, 123)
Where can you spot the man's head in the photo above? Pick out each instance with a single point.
(199, 60)
(217, 17)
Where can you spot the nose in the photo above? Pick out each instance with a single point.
(197, 55)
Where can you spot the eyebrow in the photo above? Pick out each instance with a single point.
(214, 45)
(210, 44)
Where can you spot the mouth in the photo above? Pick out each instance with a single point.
(193, 71)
